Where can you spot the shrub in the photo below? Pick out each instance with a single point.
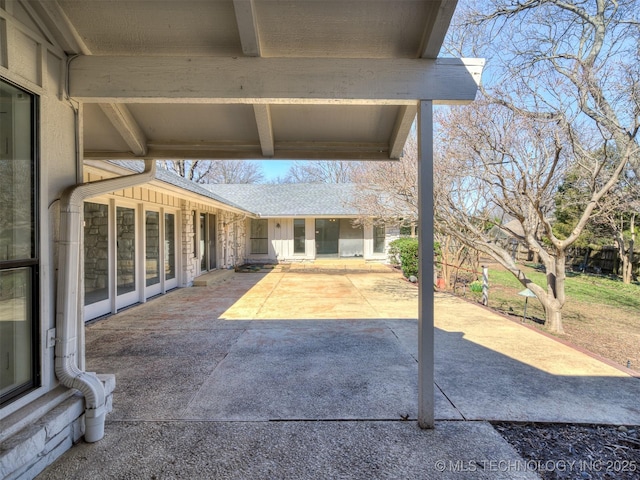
(404, 252)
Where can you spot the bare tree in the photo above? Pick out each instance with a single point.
(494, 163)
(234, 171)
(216, 171)
(194, 170)
(321, 171)
(626, 245)
(564, 77)
(619, 216)
(388, 191)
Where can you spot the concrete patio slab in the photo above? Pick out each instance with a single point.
(293, 450)
(264, 376)
(322, 370)
(515, 373)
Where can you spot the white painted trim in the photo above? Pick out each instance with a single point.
(168, 284)
(37, 36)
(140, 253)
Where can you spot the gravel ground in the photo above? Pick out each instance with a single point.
(576, 451)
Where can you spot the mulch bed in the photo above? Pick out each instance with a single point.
(561, 451)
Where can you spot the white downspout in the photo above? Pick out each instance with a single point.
(68, 295)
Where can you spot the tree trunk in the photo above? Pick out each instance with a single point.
(628, 277)
(555, 298)
(627, 254)
(553, 318)
(626, 269)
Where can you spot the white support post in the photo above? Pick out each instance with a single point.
(426, 399)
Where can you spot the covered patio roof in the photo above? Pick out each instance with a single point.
(254, 79)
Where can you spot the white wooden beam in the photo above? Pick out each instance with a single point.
(60, 26)
(265, 129)
(247, 27)
(426, 391)
(401, 129)
(228, 151)
(121, 118)
(436, 29)
(155, 79)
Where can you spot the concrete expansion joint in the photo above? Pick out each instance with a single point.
(450, 401)
(399, 418)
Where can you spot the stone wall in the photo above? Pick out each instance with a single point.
(126, 249)
(45, 430)
(231, 239)
(96, 247)
(187, 239)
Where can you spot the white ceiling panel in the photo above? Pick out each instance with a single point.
(147, 27)
(337, 28)
(332, 123)
(196, 123)
(99, 133)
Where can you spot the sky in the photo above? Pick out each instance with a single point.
(274, 168)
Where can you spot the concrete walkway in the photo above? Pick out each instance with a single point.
(311, 374)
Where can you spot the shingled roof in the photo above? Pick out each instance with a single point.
(176, 180)
(267, 200)
(290, 199)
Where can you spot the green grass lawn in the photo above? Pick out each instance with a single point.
(601, 314)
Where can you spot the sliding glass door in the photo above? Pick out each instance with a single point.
(152, 253)
(207, 242)
(126, 237)
(96, 259)
(170, 275)
(19, 248)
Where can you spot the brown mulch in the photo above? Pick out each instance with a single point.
(561, 451)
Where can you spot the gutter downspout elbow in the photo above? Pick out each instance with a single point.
(68, 295)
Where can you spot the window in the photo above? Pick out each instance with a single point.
(408, 230)
(169, 246)
(298, 235)
(259, 239)
(152, 247)
(19, 263)
(194, 246)
(378, 238)
(203, 242)
(207, 239)
(96, 252)
(126, 249)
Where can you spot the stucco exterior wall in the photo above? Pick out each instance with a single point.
(32, 64)
(39, 426)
